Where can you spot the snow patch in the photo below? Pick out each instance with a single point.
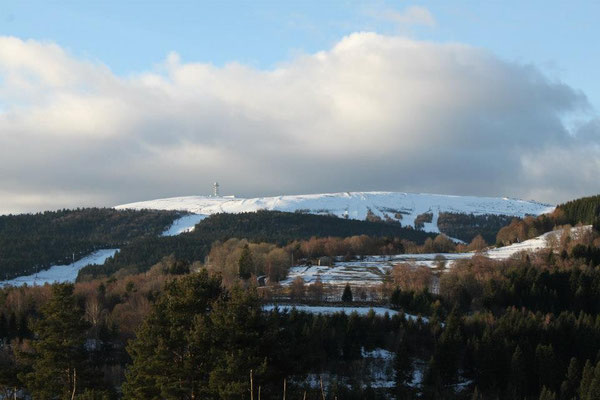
(328, 310)
(62, 273)
(187, 223)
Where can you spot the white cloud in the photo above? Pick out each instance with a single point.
(413, 15)
(373, 112)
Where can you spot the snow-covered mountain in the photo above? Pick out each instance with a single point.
(395, 206)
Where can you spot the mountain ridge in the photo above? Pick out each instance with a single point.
(400, 207)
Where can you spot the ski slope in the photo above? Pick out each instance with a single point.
(184, 224)
(61, 273)
(394, 206)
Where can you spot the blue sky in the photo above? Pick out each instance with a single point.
(559, 37)
(110, 102)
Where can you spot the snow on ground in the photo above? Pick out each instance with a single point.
(419, 367)
(361, 274)
(184, 224)
(377, 353)
(367, 272)
(534, 244)
(332, 309)
(397, 206)
(371, 270)
(380, 367)
(327, 310)
(62, 273)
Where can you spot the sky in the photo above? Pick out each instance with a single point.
(103, 103)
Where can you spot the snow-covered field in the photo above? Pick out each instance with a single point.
(397, 206)
(371, 270)
(62, 273)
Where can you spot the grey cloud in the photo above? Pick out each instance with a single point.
(373, 112)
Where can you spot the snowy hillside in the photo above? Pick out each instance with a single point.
(371, 270)
(395, 206)
(61, 273)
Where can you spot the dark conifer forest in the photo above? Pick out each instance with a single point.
(32, 242)
(262, 226)
(164, 321)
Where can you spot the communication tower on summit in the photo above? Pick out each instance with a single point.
(216, 189)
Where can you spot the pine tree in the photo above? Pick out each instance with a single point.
(448, 352)
(546, 365)
(594, 389)
(246, 263)
(347, 295)
(8, 373)
(404, 371)
(239, 333)
(58, 361)
(169, 357)
(547, 394)
(518, 377)
(586, 380)
(569, 385)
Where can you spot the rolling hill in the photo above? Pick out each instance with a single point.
(417, 210)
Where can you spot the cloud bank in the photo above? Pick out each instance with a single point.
(372, 113)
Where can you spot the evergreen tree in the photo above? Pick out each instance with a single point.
(246, 263)
(239, 334)
(169, 359)
(347, 295)
(546, 365)
(586, 380)
(58, 362)
(404, 370)
(547, 394)
(449, 348)
(569, 385)
(518, 377)
(9, 383)
(594, 390)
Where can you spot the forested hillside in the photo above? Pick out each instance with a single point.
(262, 226)
(281, 227)
(467, 226)
(523, 328)
(32, 242)
(585, 210)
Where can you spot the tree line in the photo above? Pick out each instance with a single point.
(33, 242)
(523, 328)
(584, 211)
(280, 228)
